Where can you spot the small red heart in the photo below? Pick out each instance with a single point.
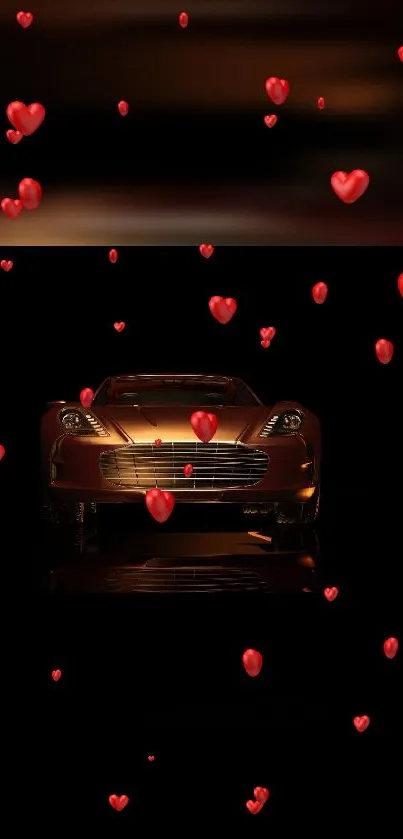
(183, 20)
(25, 19)
(151, 758)
(2, 452)
(277, 89)
(319, 293)
(26, 118)
(113, 256)
(350, 187)
(222, 309)
(86, 397)
(266, 343)
(400, 53)
(400, 284)
(6, 265)
(119, 326)
(252, 661)
(123, 108)
(390, 647)
(331, 593)
(267, 333)
(30, 193)
(118, 802)
(254, 807)
(384, 350)
(361, 723)
(12, 208)
(261, 794)
(160, 504)
(188, 470)
(158, 442)
(270, 120)
(321, 103)
(56, 675)
(206, 251)
(14, 136)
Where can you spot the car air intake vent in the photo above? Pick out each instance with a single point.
(175, 581)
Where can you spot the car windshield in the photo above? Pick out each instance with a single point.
(188, 392)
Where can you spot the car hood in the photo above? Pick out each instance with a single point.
(173, 424)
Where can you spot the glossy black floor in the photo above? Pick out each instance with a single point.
(148, 624)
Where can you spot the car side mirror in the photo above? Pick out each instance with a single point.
(56, 404)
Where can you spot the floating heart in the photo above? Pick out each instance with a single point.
(319, 292)
(188, 470)
(321, 103)
(160, 504)
(400, 53)
(400, 284)
(123, 108)
(14, 136)
(267, 333)
(183, 20)
(270, 120)
(26, 118)
(277, 89)
(30, 193)
(204, 425)
(206, 251)
(56, 675)
(118, 802)
(86, 397)
(119, 326)
(266, 343)
(113, 256)
(384, 351)
(24, 19)
(261, 794)
(350, 187)
(361, 723)
(151, 758)
(12, 208)
(158, 442)
(390, 647)
(222, 309)
(331, 593)
(6, 265)
(254, 807)
(2, 452)
(252, 662)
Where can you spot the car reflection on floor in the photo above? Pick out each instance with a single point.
(123, 559)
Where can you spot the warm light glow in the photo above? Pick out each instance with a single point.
(305, 494)
(306, 561)
(306, 465)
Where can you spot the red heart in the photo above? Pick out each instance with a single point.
(204, 425)
(261, 794)
(6, 266)
(113, 256)
(56, 675)
(254, 807)
(206, 251)
(319, 292)
(384, 351)
(361, 723)
(160, 504)
(30, 193)
(400, 53)
(188, 470)
(119, 326)
(183, 20)
(118, 802)
(321, 103)
(26, 118)
(400, 284)
(390, 647)
(350, 187)
(267, 333)
(151, 758)
(123, 108)
(12, 208)
(14, 136)
(331, 593)
(252, 662)
(265, 343)
(2, 452)
(158, 442)
(25, 19)
(277, 89)
(222, 309)
(270, 120)
(86, 397)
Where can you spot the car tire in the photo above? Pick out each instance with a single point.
(297, 513)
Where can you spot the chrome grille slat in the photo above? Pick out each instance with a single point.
(215, 465)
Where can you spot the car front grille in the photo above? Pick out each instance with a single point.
(215, 466)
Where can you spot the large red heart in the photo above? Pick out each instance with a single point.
(277, 89)
(25, 19)
(206, 251)
(6, 265)
(160, 504)
(123, 108)
(30, 193)
(222, 309)
(331, 593)
(118, 802)
(390, 647)
(261, 794)
(400, 284)
(26, 118)
(2, 452)
(56, 675)
(319, 292)
(254, 806)
(361, 723)
(14, 137)
(86, 397)
(252, 662)
(12, 208)
(400, 53)
(384, 351)
(204, 425)
(350, 187)
(119, 326)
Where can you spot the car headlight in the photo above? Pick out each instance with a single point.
(288, 422)
(81, 423)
